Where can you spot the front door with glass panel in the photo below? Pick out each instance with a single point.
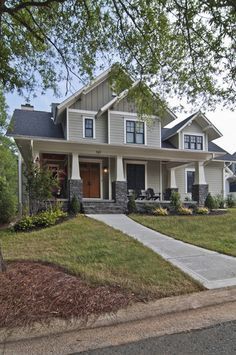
(90, 175)
(136, 177)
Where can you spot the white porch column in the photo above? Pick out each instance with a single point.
(75, 171)
(172, 179)
(119, 169)
(199, 174)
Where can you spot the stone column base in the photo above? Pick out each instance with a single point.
(199, 193)
(119, 194)
(76, 188)
(169, 191)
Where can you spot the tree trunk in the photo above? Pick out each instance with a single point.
(2, 263)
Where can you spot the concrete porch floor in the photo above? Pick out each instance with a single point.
(211, 269)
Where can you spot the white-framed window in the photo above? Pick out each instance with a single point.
(135, 131)
(189, 180)
(89, 127)
(193, 142)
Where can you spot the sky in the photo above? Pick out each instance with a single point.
(224, 120)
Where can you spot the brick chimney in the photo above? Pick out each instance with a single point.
(27, 107)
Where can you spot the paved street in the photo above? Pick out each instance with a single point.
(219, 339)
(212, 269)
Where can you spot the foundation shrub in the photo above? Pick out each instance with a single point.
(159, 211)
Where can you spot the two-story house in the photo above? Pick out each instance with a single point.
(99, 149)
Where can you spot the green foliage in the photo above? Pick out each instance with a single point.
(40, 220)
(40, 185)
(201, 210)
(132, 208)
(7, 202)
(230, 201)
(211, 202)
(220, 201)
(175, 201)
(75, 205)
(184, 211)
(148, 208)
(160, 211)
(188, 47)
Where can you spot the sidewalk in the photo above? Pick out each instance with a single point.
(213, 270)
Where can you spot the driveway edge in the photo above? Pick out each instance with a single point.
(135, 312)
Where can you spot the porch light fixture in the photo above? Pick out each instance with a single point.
(105, 170)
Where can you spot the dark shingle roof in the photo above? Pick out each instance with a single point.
(35, 124)
(173, 130)
(212, 147)
(226, 157)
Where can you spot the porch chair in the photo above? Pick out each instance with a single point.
(130, 193)
(142, 195)
(151, 195)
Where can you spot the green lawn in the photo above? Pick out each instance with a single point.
(100, 255)
(212, 232)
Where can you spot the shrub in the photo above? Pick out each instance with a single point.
(175, 201)
(26, 223)
(220, 201)
(75, 205)
(159, 211)
(230, 201)
(7, 202)
(40, 220)
(210, 202)
(149, 209)
(201, 210)
(184, 211)
(132, 208)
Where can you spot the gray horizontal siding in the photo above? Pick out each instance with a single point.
(153, 175)
(117, 128)
(76, 128)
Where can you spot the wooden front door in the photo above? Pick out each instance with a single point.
(90, 174)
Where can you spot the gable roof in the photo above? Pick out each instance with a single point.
(213, 132)
(34, 124)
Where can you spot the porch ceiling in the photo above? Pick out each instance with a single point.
(129, 152)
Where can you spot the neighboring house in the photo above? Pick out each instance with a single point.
(230, 186)
(98, 149)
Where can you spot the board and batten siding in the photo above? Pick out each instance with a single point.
(117, 130)
(76, 127)
(94, 99)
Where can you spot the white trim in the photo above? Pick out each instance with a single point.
(196, 135)
(85, 88)
(186, 179)
(135, 114)
(109, 126)
(85, 112)
(136, 162)
(67, 124)
(109, 179)
(145, 131)
(94, 127)
(160, 177)
(100, 162)
(20, 182)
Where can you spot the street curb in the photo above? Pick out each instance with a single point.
(135, 312)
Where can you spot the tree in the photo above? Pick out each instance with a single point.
(179, 47)
(40, 185)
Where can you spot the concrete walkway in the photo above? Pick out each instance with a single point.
(212, 269)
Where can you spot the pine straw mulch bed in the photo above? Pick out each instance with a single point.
(32, 291)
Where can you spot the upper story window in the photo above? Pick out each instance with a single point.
(89, 128)
(135, 132)
(193, 142)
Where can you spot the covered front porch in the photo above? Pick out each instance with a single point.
(102, 176)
